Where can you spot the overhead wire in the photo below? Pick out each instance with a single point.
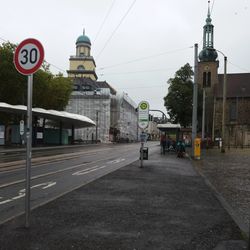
(116, 28)
(104, 20)
(144, 58)
(3, 39)
(239, 67)
(212, 6)
(135, 72)
(144, 87)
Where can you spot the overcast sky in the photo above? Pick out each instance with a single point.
(137, 44)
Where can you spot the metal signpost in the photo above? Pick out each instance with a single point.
(21, 127)
(28, 58)
(143, 119)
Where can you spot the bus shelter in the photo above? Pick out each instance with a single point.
(60, 119)
(170, 130)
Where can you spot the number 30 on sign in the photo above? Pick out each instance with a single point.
(28, 56)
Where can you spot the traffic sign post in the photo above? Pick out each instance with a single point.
(28, 58)
(143, 120)
(21, 127)
(143, 113)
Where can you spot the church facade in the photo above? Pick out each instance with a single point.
(237, 108)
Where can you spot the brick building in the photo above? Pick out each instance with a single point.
(237, 111)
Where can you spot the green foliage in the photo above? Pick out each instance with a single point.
(178, 101)
(59, 91)
(12, 84)
(49, 91)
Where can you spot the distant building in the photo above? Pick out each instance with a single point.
(237, 116)
(114, 114)
(124, 119)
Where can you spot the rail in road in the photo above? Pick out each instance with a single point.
(54, 176)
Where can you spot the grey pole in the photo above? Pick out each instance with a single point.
(141, 154)
(28, 150)
(203, 114)
(195, 90)
(96, 127)
(224, 105)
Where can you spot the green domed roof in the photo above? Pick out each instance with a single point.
(83, 39)
(208, 55)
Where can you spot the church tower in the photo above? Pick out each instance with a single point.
(208, 65)
(208, 76)
(82, 65)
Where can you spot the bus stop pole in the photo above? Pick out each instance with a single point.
(141, 155)
(141, 150)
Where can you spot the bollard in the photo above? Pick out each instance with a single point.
(197, 148)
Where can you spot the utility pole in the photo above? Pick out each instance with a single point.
(96, 126)
(195, 94)
(224, 105)
(203, 114)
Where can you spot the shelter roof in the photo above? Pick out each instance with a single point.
(68, 119)
(168, 126)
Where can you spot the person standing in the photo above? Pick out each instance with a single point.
(163, 143)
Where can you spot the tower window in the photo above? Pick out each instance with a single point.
(206, 79)
(80, 67)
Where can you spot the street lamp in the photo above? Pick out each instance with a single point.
(224, 103)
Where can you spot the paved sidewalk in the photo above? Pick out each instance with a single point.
(229, 175)
(165, 205)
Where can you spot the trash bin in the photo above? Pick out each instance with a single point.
(144, 153)
(197, 148)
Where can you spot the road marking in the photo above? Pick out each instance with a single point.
(3, 202)
(42, 175)
(88, 170)
(58, 171)
(21, 192)
(116, 161)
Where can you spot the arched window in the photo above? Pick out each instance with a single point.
(206, 79)
(80, 67)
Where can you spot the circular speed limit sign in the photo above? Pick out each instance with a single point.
(28, 56)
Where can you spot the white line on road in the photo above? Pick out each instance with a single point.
(59, 171)
(88, 170)
(21, 192)
(116, 161)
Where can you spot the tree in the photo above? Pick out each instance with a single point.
(12, 84)
(178, 101)
(49, 91)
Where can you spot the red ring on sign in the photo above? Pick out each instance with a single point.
(19, 68)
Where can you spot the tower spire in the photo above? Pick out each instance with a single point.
(209, 12)
(209, 20)
(208, 53)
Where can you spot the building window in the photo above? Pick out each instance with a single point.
(206, 79)
(233, 111)
(80, 67)
(87, 88)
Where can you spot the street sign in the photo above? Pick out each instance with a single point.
(28, 56)
(143, 113)
(21, 127)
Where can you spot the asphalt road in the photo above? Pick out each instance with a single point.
(164, 205)
(55, 174)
